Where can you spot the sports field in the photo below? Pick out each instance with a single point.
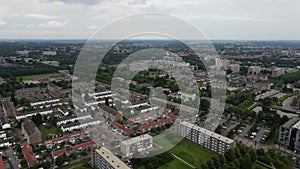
(30, 77)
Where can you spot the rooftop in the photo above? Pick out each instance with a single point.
(291, 122)
(30, 127)
(208, 132)
(136, 139)
(113, 160)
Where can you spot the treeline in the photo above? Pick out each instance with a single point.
(154, 161)
(246, 157)
(291, 77)
(8, 72)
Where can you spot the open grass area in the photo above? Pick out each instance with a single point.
(49, 131)
(30, 77)
(82, 164)
(281, 99)
(255, 166)
(191, 153)
(187, 151)
(175, 164)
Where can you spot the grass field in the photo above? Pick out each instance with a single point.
(255, 165)
(82, 164)
(175, 164)
(30, 77)
(191, 153)
(49, 131)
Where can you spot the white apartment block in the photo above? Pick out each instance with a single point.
(104, 159)
(205, 138)
(235, 68)
(289, 135)
(136, 145)
(80, 125)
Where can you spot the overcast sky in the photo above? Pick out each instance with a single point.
(217, 19)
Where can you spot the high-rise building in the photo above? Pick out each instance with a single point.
(205, 138)
(136, 145)
(289, 134)
(235, 68)
(104, 159)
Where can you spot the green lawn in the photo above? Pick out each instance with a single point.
(30, 77)
(281, 99)
(191, 153)
(46, 131)
(82, 164)
(187, 151)
(175, 164)
(255, 166)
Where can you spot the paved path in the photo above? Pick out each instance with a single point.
(183, 161)
(10, 154)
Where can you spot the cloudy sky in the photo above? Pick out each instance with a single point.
(217, 19)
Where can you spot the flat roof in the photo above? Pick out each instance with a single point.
(113, 160)
(291, 122)
(297, 125)
(136, 139)
(208, 132)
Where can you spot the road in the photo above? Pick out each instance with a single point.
(259, 134)
(10, 154)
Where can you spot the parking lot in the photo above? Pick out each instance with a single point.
(228, 127)
(245, 130)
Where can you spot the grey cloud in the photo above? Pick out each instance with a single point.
(85, 2)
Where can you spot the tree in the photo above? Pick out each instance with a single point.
(247, 163)
(217, 161)
(229, 155)
(204, 104)
(37, 119)
(253, 154)
(204, 166)
(211, 164)
(222, 158)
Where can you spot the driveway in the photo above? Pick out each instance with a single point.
(10, 154)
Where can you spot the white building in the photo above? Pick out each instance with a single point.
(289, 135)
(136, 145)
(235, 68)
(205, 138)
(104, 159)
(254, 70)
(81, 125)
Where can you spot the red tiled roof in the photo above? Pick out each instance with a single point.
(28, 154)
(170, 115)
(73, 148)
(143, 116)
(154, 123)
(58, 139)
(1, 163)
(122, 127)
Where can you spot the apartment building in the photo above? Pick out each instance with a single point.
(104, 159)
(205, 138)
(136, 145)
(289, 134)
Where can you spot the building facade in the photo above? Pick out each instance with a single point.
(136, 145)
(289, 134)
(205, 138)
(31, 132)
